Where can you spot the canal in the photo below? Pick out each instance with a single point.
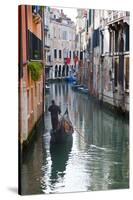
(96, 159)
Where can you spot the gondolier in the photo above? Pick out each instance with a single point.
(64, 129)
(55, 111)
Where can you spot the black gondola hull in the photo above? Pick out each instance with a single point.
(60, 137)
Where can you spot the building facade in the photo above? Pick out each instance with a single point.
(61, 56)
(115, 59)
(31, 70)
(81, 46)
(47, 47)
(104, 55)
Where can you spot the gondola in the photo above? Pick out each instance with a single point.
(64, 132)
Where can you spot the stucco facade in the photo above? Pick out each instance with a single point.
(31, 93)
(115, 59)
(104, 55)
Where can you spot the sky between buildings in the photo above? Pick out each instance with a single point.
(71, 13)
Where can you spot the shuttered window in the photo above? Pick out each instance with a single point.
(96, 38)
(35, 47)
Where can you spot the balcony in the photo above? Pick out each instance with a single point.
(115, 16)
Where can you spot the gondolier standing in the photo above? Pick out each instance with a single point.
(55, 111)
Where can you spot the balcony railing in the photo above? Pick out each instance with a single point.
(114, 16)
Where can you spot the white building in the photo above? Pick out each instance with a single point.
(62, 45)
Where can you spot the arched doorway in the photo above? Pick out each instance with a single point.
(56, 70)
(59, 72)
(67, 70)
(63, 71)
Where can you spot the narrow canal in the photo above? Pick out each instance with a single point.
(97, 158)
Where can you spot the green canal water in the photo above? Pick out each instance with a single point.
(96, 159)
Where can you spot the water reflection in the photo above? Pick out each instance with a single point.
(59, 157)
(96, 159)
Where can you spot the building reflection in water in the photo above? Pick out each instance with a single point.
(97, 158)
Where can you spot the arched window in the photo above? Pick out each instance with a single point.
(56, 70)
(67, 69)
(59, 73)
(63, 70)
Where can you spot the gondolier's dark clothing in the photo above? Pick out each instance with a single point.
(54, 110)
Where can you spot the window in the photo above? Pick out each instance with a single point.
(96, 38)
(35, 47)
(77, 38)
(60, 54)
(63, 70)
(90, 13)
(87, 24)
(81, 55)
(55, 53)
(89, 45)
(102, 40)
(56, 70)
(28, 109)
(127, 38)
(67, 70)
(111, 41)
(121, 44)
(59, 33)
(54, 32)
(116, 71)
(49, 58)
(116, 41)
(127, 74)
(73, 54)
(64, 35)
(59, 73)
(70, 54)
(32, 100)
(65, 53)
